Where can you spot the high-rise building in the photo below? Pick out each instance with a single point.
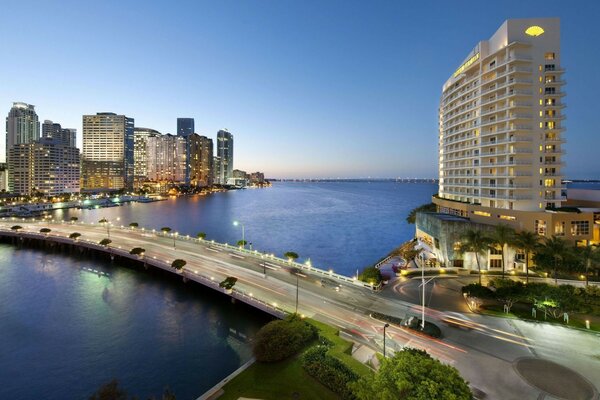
(216, 170)
(47, 166)
(201, 160)
(166, 158)
(225, 154)
(185, 128)
(22, 126)
(108, 157)
(56, 131)
(500, 149)
(140, 154)
(500, 121)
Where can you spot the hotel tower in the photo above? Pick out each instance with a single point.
(500, 121)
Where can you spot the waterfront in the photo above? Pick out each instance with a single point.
(66, 330)
(340, 225)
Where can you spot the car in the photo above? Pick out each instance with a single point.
(328, 283)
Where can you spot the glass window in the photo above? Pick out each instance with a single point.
(580, 228)
(559, 228)
(549, 56)
(540, 227)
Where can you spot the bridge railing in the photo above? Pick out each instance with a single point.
(326, 274)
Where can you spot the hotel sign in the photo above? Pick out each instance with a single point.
(466, 65)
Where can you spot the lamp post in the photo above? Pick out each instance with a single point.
(384, 328)
(423, 284)
(236, 223)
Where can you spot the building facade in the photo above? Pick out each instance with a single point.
(53, 130)
(500, 148)
(47, 166)
(166, 155)
(108, 152)
(201, 160)
(225, 155)
(500, 121)
(22, 126)
(185, 128)
(140, 154)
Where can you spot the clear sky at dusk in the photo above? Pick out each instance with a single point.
(308, 88)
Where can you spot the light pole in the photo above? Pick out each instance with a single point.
(236, 223)
(384, 328)
(423, 283)
(297, 283)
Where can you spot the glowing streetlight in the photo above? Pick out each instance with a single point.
(236, 223)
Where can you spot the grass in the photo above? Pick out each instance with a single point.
(287, 379)
(575, 320)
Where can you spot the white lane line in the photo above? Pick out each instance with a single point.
(273, 266)
(214, 250)
(237, 256)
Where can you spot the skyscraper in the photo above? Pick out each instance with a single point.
(201, 160)
(140, 154)
(500, 121)
(53, 130)
(185, 127)
(22, 125)
(166, 158)
(225, 154)
(108, 163)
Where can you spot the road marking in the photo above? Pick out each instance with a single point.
(237, 256)
(213, 250)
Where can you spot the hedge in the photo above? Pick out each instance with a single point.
(329, 371)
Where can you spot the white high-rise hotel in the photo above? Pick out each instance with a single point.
(500, 120)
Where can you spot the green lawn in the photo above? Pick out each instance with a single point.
(575, 321)
(287, 379)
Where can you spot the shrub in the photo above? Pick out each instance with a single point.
(387, 318)
(45, 230)
(281, 339)
(328, 370)
(477, 290)
(105, 242)
(178, 264)
(74, 235)
(137, 251)
(228, 283)
(371, 275)
(16, 227)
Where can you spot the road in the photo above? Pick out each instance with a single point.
(485, 356)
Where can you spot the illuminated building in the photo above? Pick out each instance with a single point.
(225, 155)
(108, 154)
(200, 163)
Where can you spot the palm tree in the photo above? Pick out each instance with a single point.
(551, 255)
(134, 225)
(105, 242)
(475, 241)
(166, 230)
(527, 241)
(73, 219)
(45, 231)
(502, 236)
(201, 235)
(16, 228)
(242, 243)
(590, 257)
(178, 264)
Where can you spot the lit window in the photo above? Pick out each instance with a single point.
(549, 56)
(540, 226)
(579, 228)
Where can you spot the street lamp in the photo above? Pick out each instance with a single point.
(384, 328)
(236, 223)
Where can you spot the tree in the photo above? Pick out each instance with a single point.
(290, 255)
(475, 241)
(371, 275)
(528, 242)
(178, 264)
(508, 291)
(590, 258)
(242, 243)
(110, 391)
(137, 251)
(74, 219)
(412, 215)
(412, 374)
(45, 230)
(165, 229)
(477, 293)
(201, 235)
(103, 221)
(281, 339)
(74, 235)
(134, 225)
(228, 283)
(105, 242)
(502, 236)
(551, 255)
(16, 228)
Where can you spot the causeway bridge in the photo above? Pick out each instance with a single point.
(278, 287)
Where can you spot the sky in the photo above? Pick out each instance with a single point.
(310, 89)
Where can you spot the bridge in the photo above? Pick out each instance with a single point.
(278, 287)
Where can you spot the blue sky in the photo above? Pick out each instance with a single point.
(308, 88)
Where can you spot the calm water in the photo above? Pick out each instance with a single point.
(340, 225)
(65, 331)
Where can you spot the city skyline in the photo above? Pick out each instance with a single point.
(303, 110)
